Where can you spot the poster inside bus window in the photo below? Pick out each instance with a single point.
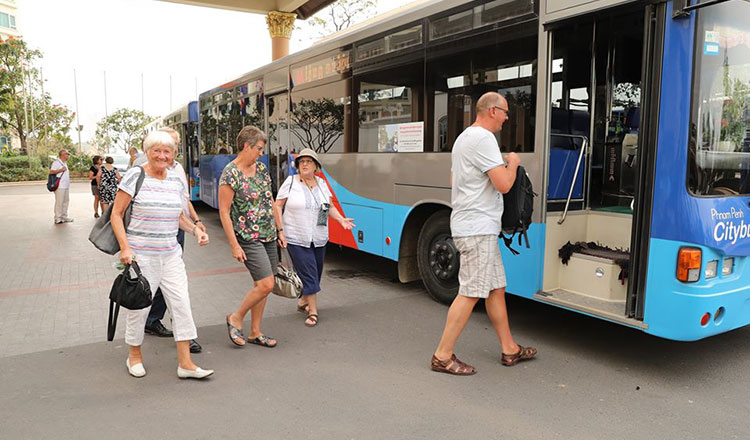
(402, 138)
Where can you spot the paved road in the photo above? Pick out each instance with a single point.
(361, 374)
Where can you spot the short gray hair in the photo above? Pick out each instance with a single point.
(158, 138)
(251, 134)
(171, 131)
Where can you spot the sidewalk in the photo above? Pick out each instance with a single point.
(54, 284)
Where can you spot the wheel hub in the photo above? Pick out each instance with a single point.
(444, 258)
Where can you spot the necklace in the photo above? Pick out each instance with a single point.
(309, 185)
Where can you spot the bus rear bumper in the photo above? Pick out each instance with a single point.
(693, 311)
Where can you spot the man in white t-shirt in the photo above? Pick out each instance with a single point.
(136, 158)
(62, 194)
(154, 325)
(480, 175)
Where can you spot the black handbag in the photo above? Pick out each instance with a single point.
(128, 292)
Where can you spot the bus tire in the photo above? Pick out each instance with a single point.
(437, 258)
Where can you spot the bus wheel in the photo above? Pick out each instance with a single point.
(437, 258)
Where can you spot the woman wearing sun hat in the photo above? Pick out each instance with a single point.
(305, 201)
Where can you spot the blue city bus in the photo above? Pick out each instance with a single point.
(631, 118)
(224, 110)
(185, 121)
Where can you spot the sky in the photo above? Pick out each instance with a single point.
(128, 41)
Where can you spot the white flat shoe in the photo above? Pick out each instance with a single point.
(198, 373)
(136, 370)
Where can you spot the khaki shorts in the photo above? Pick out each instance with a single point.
(481, 268)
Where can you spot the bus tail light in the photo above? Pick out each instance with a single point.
(727, 267)
(689, 264)
(705, 318)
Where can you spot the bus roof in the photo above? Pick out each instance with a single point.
(410, 13)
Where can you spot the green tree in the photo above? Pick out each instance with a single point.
(23, 109)
(318, 124)
(52, 125)
(340, 15)
(122, 129)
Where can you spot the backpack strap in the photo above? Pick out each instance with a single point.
(525, 237)
(509, 241)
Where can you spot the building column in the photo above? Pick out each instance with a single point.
(280, 26)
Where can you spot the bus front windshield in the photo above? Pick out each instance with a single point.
(719, 159)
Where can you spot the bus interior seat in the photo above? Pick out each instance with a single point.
(564, 152)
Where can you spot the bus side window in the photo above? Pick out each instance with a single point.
(385, 99)
(320, 118)
(457, 80)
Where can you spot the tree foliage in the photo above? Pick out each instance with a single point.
(122, 130)
(341, 14)
(318, 124)
(26, 111)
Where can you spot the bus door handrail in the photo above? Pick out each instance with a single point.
(584, 145)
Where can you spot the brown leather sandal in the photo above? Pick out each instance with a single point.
(313, 318)
(523, 354)
(452, 366)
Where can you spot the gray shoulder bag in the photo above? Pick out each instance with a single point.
(102, 235)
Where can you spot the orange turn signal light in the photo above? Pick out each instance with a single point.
(689, 264)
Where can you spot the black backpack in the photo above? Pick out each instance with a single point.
(518, 204)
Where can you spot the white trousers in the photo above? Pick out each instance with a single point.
(167, 272)
(62, 195)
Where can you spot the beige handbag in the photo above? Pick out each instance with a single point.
(286, 281)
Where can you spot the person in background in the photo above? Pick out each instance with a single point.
(62, 194)
(136, 157)
(151, 240)
(108, 179)
(305, 202)
(96, 163)
(246, 212)
(154, 325)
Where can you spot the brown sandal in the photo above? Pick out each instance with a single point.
(312, 317)
(523, 354)
(452, 366)
(303, 308)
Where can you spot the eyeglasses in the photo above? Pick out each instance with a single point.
(303, 161)
(500, 108)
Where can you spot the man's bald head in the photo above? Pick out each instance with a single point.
(489, 100)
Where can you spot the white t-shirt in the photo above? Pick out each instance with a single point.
(64, 176)
(301, 211)
(477, 205)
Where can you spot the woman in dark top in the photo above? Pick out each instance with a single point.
(96, 163)
(108, 179)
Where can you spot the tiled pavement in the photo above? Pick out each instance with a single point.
(54, 283)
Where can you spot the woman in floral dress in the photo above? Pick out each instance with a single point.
(246, 212)
(107, 179)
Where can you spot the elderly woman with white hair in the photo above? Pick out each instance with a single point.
(151, 240)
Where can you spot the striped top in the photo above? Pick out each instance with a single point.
(155, 218)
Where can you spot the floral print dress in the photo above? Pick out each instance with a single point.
(252, 207)
(108, 185)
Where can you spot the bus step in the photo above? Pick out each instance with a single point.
(609, 310)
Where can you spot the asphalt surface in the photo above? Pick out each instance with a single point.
(362, 373)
